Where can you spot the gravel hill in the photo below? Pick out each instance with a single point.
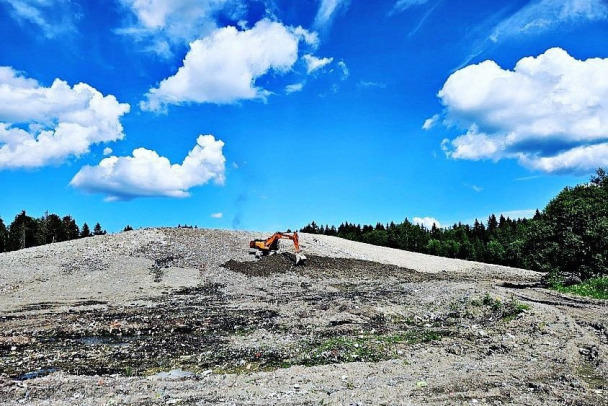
(188, 316)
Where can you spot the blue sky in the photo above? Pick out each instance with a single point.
(266, 115)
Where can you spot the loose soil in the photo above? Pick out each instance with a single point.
(203, 322)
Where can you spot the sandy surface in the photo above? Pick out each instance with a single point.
(181, 316)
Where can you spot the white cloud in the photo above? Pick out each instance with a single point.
(344, 70)
(527, 178)
(550, 112)
(327, 11)
(369, 84)
(161, 24)
(472, 145)
(427, 222)
(42, 125)
(402, 5)
(542, 15)
(217, 215)
(146, 174)
(223, 67)
(107, 151)
(53, 17)
(430, 122)
(310, 37)
(313, 63)
(578, 160)
(296, 87)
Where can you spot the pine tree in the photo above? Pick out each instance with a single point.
(3, 235)
(24, 232)
(53, 229)
(85, 232)
(97, 230)
(71, 227)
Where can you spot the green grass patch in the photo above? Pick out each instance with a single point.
(367, 347)
(506, 310)
(596, 288)
(512, 309)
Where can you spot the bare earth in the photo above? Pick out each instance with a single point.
(184, 316)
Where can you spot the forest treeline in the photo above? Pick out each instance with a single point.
(568, 239)
(26, 231)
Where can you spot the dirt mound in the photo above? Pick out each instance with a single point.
(317, 266)
(265, 266)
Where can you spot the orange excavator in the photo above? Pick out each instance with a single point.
(272, 244)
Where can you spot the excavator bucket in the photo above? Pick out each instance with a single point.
(300, 258)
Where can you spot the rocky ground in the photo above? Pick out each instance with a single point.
(186, 316)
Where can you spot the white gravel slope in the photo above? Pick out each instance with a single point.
(116, 268)
(341, 248)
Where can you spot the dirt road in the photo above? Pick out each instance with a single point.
(182, 316)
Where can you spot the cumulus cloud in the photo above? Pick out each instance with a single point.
(472, 145)
(107, 151)
(578, 160)
(42, 125)
(223, 67)
(146, 174)
(217, 215)
(161, 24)
(541, 15)
(313, 63)
(309, 37)
(427, 222)
(550, 112)
(327, 11)
(53, 17)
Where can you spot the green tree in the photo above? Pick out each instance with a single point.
(97, 230)
(600, 178)
(571, 237)
(85, 232)
(479, 231)
(311, 228)
(450, 248)
(24, 232)
(72, 230)
(466, 251)
(433, 247)
(3, 236)
(495, 253)
(53, 229)
(376, 237)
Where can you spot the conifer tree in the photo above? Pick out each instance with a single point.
(85, 232)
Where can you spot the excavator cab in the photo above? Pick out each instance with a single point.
(271, 244)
